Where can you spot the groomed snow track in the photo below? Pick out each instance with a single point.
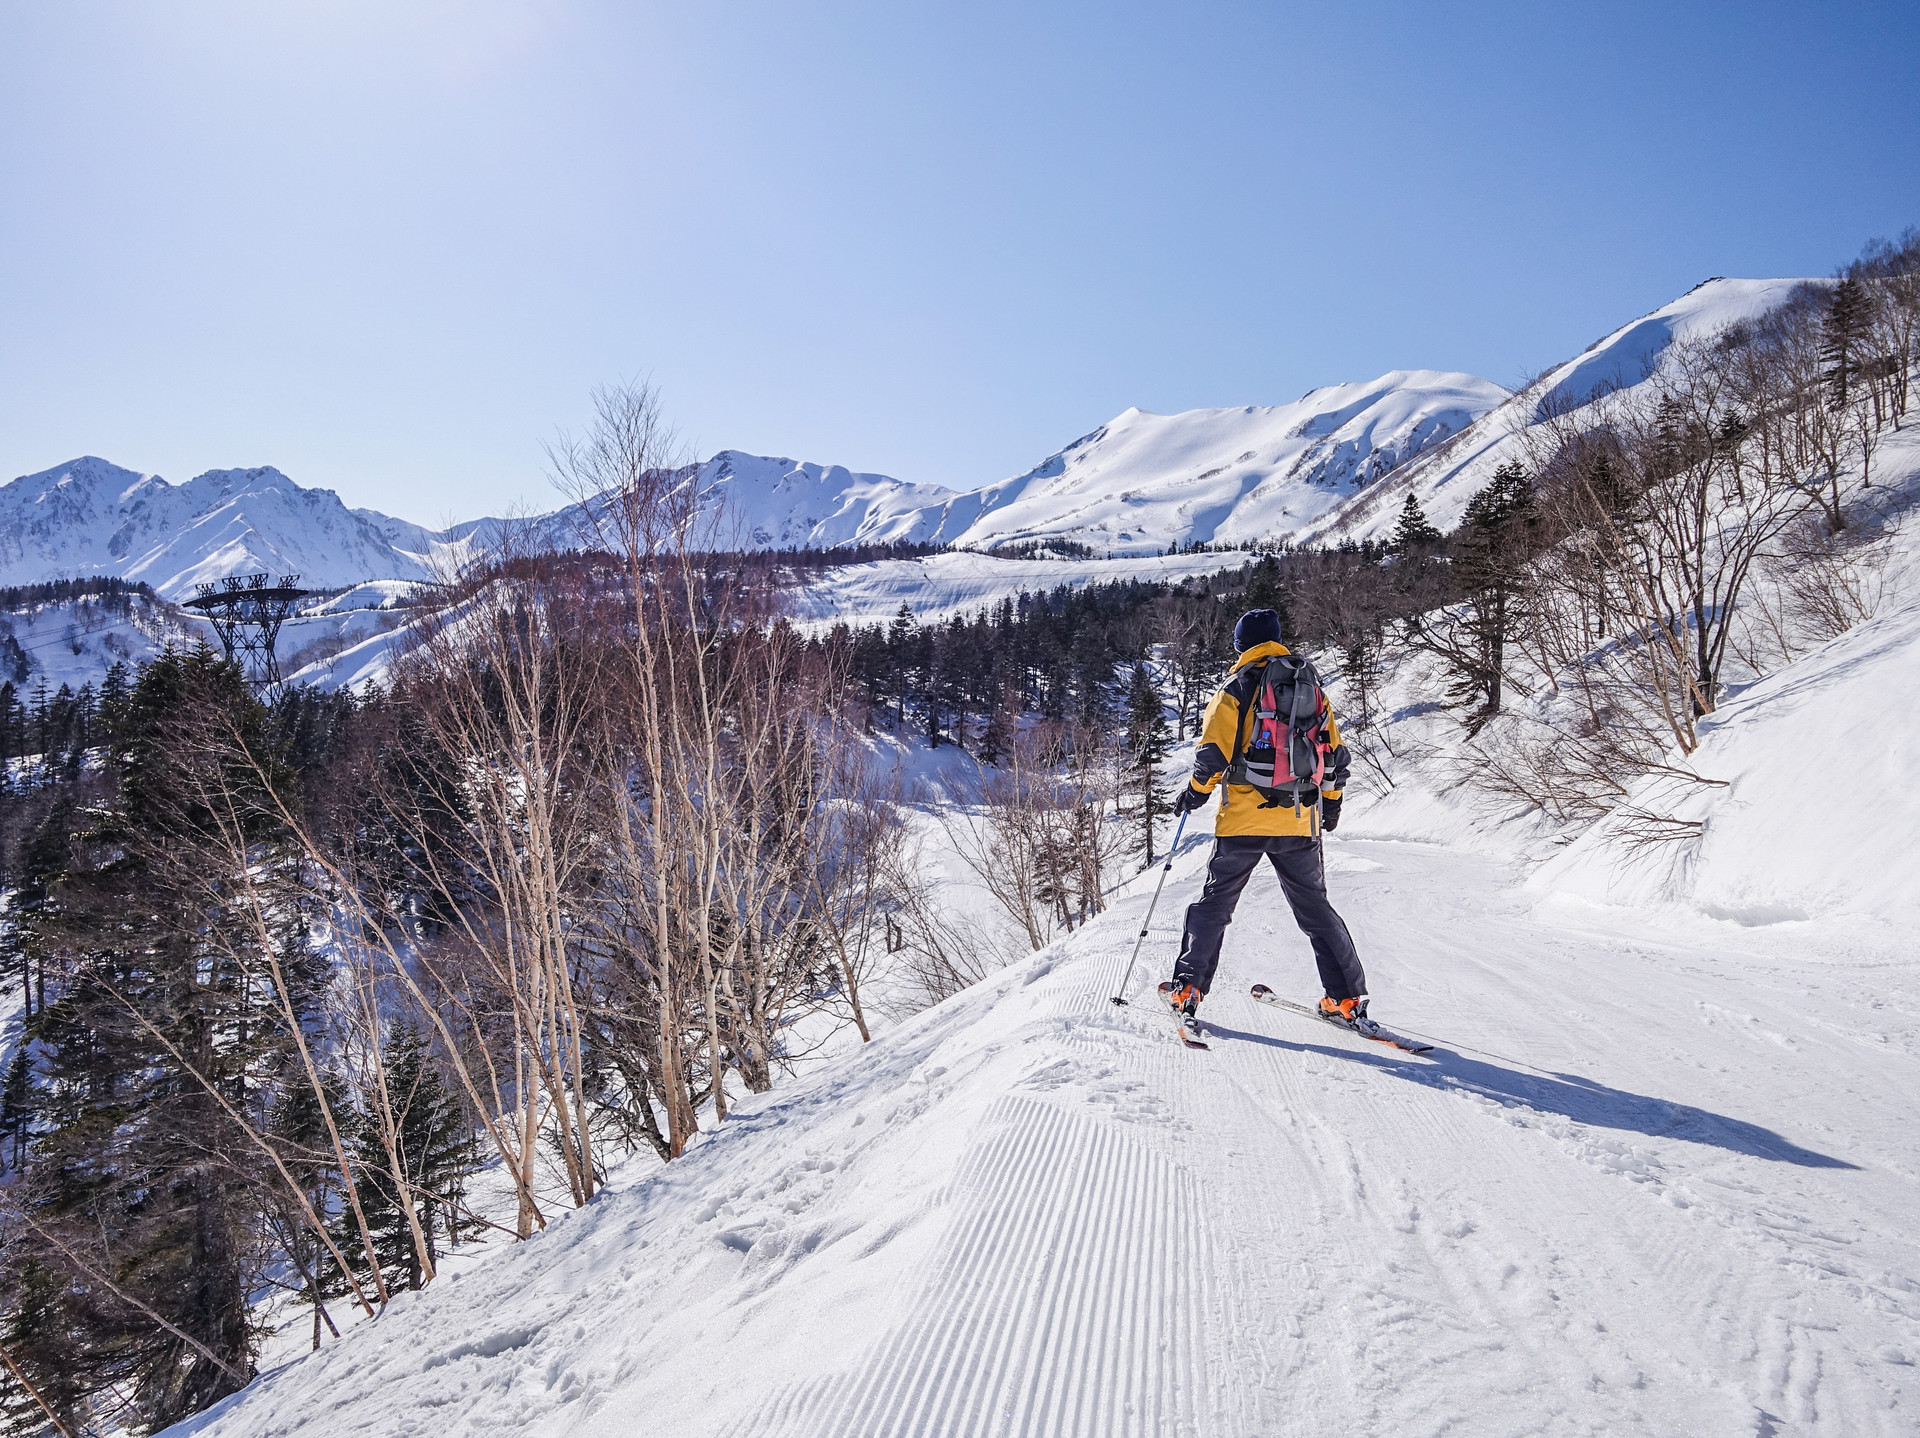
(1655, 1180)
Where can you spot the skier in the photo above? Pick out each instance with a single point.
(1285, 826)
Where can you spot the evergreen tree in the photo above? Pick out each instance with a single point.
(436, 1151)
(904, 648)
(15, 665)
(16, 1105)
(1266, 590)
(1490, 553)
(1413, 533)
(1845, 336)
(133, 1158)
(1147, 745)
(298, 1129)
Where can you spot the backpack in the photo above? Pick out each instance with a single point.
(1285, 757)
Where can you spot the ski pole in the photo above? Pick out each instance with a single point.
(1172, 849)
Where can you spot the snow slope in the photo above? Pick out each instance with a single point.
(1655, 1179)
(1145, 481)
(1775, 850)
(76, 642)
(1447, 475)
(940, 585)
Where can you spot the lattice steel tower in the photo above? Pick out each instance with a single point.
(247, 612)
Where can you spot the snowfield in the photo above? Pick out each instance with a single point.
(939, 586)
(1658, 1177)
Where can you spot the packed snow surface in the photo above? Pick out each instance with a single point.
(1657, 1177)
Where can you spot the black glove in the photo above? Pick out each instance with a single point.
(1329, 814)
(1189, 800)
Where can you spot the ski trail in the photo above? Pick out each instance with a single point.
(1066, 1300)
(1629, 1194)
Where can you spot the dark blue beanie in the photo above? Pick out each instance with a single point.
(1256, 626)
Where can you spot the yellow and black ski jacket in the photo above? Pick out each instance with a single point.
(1242, 810)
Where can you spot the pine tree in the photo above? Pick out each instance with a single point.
(1147, 745)
(1413, 533)
(1491, 549)
(1265, 591)
(1845, 333)
(997, 735)
(133, 1158)
(297, 1128)
(902, 642)
(17, 1105)
(436, 1150)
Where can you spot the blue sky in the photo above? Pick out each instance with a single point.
(391, 247)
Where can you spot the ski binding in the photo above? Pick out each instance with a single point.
(1185, 1027)
(1372, 1030)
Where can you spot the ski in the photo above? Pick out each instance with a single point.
(1185, 1027)
(1379, 1035)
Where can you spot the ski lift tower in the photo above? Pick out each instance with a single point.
(246, 612)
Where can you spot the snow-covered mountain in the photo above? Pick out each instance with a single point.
(1144, 481)
(91, 517)
(1447, 475)
(764, 503)
(1333, 464)
(1133, 486)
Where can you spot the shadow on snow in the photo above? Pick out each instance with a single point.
(1569, 1095)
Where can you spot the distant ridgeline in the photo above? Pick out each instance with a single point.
(65, 591)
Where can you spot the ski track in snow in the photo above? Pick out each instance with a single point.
(1634, 1191)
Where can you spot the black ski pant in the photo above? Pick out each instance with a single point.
(1303, 879)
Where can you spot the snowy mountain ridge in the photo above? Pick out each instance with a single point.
(1446, 475)
(1135, 486)
(1334, 464)
(1144, 481)
(91, 517)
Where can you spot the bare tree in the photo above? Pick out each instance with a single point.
(1036, 832)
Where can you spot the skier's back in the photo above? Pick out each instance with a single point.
(1257, 820)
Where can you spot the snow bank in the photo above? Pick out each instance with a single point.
(1820, 818)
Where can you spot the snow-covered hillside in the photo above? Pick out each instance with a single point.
(1145, 481)
(1657, 1178)
(940, 585)
(75, 642)
(1447, 475)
